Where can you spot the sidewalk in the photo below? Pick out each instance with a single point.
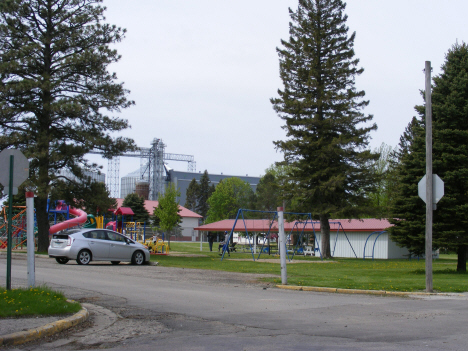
(16, 331)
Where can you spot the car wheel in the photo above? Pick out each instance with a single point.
(84, 257)
(61, 260)
(115, 262)
(138, 258)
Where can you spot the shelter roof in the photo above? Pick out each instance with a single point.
(150, 206)
(126, 211)
(262, 225)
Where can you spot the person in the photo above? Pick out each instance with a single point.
(210, 240)
(225, 244)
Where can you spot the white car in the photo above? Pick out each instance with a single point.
(88, 245)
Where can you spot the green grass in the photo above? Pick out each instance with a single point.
(34, 301)
(390, 275)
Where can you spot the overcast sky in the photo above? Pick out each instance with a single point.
(202, 72)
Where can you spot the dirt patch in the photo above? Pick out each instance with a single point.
(277, 260)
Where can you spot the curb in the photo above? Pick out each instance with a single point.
(358, 291)
(49, 329)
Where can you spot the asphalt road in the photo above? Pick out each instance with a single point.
(158, 308)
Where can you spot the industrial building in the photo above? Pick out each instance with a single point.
(132, 182)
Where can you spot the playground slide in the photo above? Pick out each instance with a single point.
(80, 219)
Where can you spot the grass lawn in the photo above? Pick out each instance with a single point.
(34, 301)
(391, 275)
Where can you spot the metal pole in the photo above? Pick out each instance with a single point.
(30, 241)
(282, 246)
(10, 223)
(429, 189)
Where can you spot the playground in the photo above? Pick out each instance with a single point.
(63, 217)
(257, 232)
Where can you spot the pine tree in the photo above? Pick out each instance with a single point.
(137, 204)
(408, 213)
(192, 195)
(450, 163)
(55, 89)
(450, 152)
(204, 193)
(327, 134)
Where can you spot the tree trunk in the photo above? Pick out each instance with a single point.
(325, 230)
(461, 264)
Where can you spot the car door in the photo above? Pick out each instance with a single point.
(119, 249)
(98, 243)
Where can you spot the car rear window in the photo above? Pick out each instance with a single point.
(60, 236)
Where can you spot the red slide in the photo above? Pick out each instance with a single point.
(81, 217)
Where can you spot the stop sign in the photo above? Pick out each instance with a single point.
(20, 167)
(437, 188)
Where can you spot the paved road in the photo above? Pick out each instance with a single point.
(157, 308)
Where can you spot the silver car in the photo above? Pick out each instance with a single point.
(88, 245)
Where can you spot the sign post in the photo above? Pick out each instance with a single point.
(282, 246)
(12, 177)
(30, 236)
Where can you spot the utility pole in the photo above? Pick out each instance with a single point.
(429, 189)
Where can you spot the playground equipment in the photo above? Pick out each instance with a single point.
(90, 222)
(297, 229)
(135, 230)
(18, 235)
(379, 233)
(266, 226)
(81, 217)
(61, 209)
(158, 247)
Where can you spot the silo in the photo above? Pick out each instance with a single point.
(142, 188)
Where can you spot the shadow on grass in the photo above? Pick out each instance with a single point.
(439, 271)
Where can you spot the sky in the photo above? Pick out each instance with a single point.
(202, 72)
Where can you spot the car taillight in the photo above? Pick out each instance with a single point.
(70, 240)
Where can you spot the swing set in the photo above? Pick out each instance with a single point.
(297, 229)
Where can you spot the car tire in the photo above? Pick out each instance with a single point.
(115, 262)
(62, 260)
(84, 257)
(138, 258)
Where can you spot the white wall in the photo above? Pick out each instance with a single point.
(187, 226)
(384, 247)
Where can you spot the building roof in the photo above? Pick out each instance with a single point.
(150, 205)
(262, 225)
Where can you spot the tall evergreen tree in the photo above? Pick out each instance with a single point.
(204, 192)
(192, 195)
(327, 133)
(55, 89)
(408, 213)
(450, 160)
